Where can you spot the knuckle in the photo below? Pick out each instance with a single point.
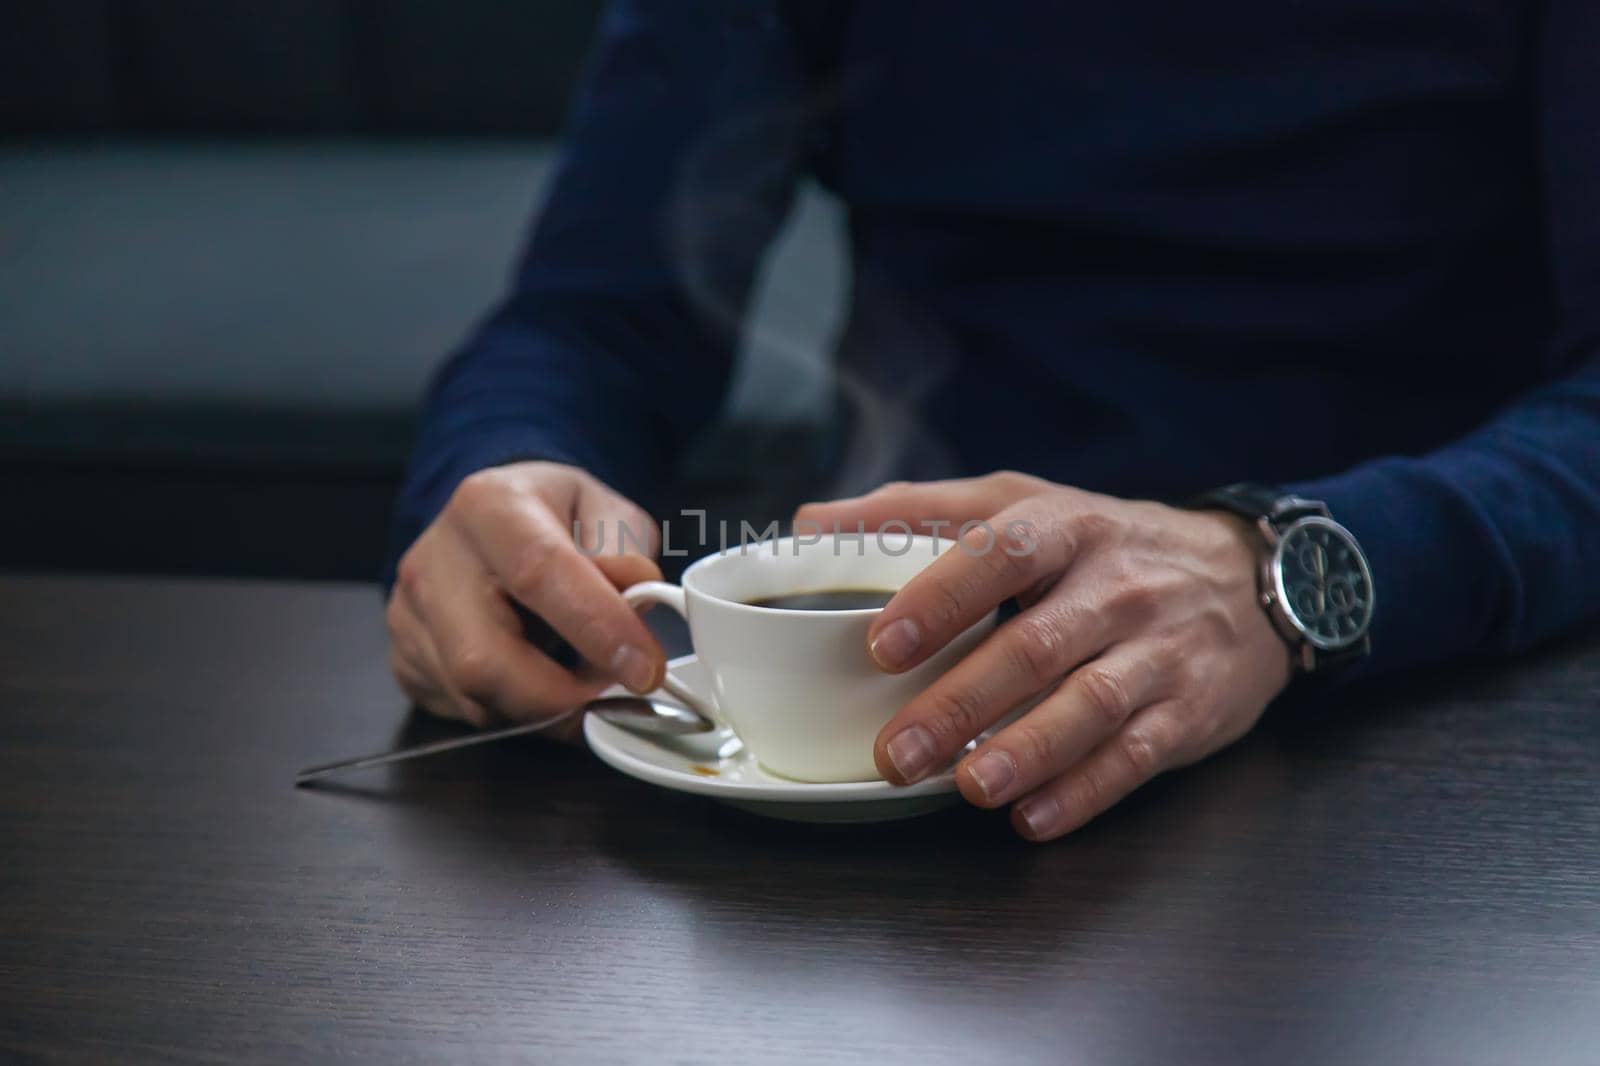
(438, 706)
(978, 541)
(1067, 541)
(950, 601)
(472, 673)
(1047, 540)
(1023, 538)
(1012, 482)
(408, 572)
(1038, 745)
(1142, 752)
(532, 568)
(1134, 596)
(1011, 556)
(1038, 650)
(470, 712)
(1093, 791)
(393, 617)
(957, 714)
(1105, 691)
(1091, 526)
(476, 490)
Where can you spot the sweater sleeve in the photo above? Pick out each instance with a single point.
(615, 341)
(1492, 543)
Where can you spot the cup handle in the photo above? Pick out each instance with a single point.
(647, 593)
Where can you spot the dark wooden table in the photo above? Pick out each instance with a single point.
(1415, 878)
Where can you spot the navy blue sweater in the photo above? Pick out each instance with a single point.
(1143, 247)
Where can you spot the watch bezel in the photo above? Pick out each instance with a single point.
(1281, 595)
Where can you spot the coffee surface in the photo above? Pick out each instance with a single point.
(841, 599)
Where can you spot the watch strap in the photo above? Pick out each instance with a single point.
(1329, 661)
(1256, 502)
(1278, 509)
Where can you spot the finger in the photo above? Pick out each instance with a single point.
(417, 684)
(406, 633)
(1149, 744)
(1092, 704)
(421, 689)
(532, 555)
(1015, 551)
(416, 666)
(931, 507)
(420, 679)
(482, 658)
(1021, 659)
(617, 534)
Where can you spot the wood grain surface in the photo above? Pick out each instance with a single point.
(1410, 876)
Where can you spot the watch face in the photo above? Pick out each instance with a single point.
(1323, 582)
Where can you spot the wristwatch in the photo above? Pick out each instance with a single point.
(1314, 580)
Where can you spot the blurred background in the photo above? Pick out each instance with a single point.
(236, 237)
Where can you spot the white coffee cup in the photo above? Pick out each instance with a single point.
(799, 686)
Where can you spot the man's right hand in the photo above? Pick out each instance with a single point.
(456, 643)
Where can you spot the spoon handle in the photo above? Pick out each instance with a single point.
(432, 747)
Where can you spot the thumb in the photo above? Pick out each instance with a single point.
(627, 569)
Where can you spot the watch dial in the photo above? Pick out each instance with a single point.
(1325, 583)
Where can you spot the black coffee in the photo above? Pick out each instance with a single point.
(827, 600)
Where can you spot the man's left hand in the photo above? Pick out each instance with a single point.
(1140, 627)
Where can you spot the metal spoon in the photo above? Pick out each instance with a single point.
(636, 714)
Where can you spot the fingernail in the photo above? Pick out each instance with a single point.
(634, 669)
(993, 771)
(912, 752)
(1040, 815)
(896, 643)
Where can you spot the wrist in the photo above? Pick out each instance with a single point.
(1247, 553)
(1315, 584)
(1240, 562)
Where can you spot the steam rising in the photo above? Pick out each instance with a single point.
(890, 355)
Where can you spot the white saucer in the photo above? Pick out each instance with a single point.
(715, 764)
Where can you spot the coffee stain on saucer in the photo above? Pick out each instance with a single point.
(705, 771)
